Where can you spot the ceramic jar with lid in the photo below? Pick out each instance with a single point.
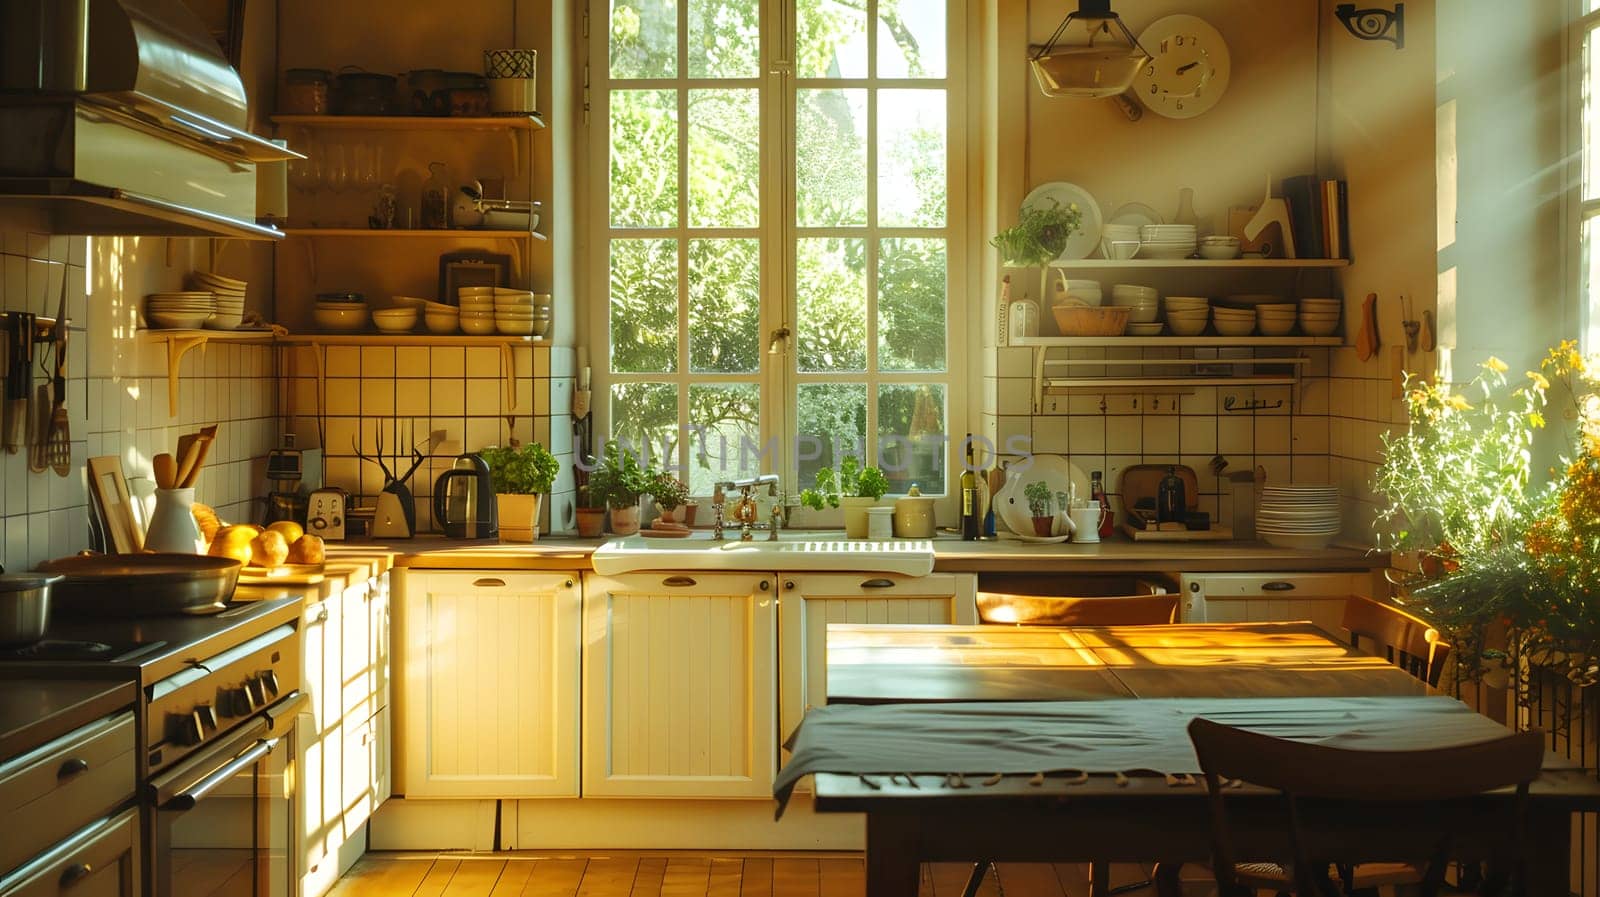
(305, 92)
(913, 515)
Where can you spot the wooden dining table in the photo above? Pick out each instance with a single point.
(911, 819)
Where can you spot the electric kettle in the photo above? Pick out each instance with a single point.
(464, 502)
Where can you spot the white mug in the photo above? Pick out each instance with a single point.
(1086, 521)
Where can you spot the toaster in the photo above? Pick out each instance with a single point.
(326, 510)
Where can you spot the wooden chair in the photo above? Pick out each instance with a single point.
(1047, 610)
(1405, 641)
(1337, 777)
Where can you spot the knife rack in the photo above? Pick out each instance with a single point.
(42, 326)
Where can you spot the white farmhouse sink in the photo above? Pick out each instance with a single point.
(792, 551)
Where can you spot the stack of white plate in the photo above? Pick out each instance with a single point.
(1119, 241)
(477, 310)
(1234, 321)
(1320, 317)
(230, 299)
(1087, 292)
(1168, 241)
(1276, 318)
(182, 310)
(1298, 516)
(521, 312)
(1187, 315)
(1144, 303)
(1219, 247)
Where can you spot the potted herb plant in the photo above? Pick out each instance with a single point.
(623, 480)
(851, 486)
(1041, 232)
(521, 476)
(1039, 497)
(670, 494)
(591, 512)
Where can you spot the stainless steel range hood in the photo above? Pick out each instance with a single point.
(121, 117)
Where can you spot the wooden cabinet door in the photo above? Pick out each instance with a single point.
(808, 602)
(679, 685)
(319, 749)
(488, 684)
(1272, 598)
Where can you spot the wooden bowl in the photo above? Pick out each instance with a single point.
(1081, 320)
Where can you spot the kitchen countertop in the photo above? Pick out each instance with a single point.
(950, 555)
(34, 711)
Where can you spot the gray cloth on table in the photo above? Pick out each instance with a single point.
(1100, 737)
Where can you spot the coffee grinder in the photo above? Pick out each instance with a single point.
(285, 472)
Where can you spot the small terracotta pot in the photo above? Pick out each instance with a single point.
(625, 521)
(591, 522)
(688, 513)
(1042, 526)
(669, 515)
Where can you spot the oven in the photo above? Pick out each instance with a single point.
(222, 821)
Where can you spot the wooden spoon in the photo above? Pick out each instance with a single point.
(189, 452)
(166, 470)
(203, 447)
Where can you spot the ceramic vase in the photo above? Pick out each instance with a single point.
(855, 515)
(518, 516)
(625, 521)
(1043, 526)
(172, 525)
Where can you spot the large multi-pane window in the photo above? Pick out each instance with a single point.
(1587, 35)
(777, 249)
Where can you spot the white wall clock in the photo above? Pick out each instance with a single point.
(1188, 68)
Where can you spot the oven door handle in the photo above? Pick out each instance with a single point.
(198, 791)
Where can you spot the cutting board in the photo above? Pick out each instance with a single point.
(1215, 534)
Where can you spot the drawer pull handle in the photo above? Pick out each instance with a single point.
(878, 584)
(73, 767)
(75, 873)
(489, 582)
(1277, 585)
(678, 582)
(788, 584)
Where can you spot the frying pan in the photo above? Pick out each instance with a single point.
(142, 585)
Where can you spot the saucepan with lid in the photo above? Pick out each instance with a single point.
(24, 608)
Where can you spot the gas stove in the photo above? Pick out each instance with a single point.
(200, 677)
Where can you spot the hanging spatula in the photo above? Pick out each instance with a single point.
(16, 416)
(58, 442)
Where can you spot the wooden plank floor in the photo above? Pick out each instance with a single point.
(683, 874)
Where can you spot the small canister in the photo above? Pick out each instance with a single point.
(880, 523)
(305, 92)
(913, 515)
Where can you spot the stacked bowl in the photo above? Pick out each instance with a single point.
(521, 312)
(1320, 317)
(1276, 318)
(1219, 247)
(1119, 241)
(1298, 516)
(344, 312)
(1143, 303)
(1168, 241)
(1187, 315)
(230, 299)
(477, 310)
(395, 320)
(1233, 321)
(180, 310)
(441, 318)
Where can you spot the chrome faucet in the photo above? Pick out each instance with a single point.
(745, 510)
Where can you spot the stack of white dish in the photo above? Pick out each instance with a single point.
(1086, 292)
(1168, 241)
(230, 299)
(521, 312)
(1187, 315)
(395, 320)
(1276, 318)
(1219, 247)
(1298, 516)
(1320, 317)
(1143, 303)
(1119, 241)
(1146, 329)
(1234, 321)
(441, 318)
(180, 310)
(477, 310)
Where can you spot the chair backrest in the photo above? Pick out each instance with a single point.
(1315, 771)
(1042, 610)
(1405, 641)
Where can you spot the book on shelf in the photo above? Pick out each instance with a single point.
(1318, 216)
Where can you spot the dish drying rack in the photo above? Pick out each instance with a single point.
(1200, 361)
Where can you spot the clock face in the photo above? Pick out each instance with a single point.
(1188, 68)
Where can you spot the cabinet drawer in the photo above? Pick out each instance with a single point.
(99, 861)
(51, 792)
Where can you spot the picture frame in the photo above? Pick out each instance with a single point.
(471, 268)
(114, 505)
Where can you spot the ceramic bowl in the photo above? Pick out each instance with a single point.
(478, 326)
(514, 326)
(1187, 326)
(1234, 327)
(1145, 329)
(1218, 252)
(442, 323)
(394, 320)
(340, 316)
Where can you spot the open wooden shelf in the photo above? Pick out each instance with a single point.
(459, 233)
(409, 339)
(1157, 342)
(155, 334)
(1093, 383)
(415, 122)
(1218, 264)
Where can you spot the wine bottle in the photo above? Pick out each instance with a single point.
(971, 526)
(1097, 492)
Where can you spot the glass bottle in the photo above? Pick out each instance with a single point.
(1097, 492)
(1172, 504)
(970, 523)
(435, 198)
